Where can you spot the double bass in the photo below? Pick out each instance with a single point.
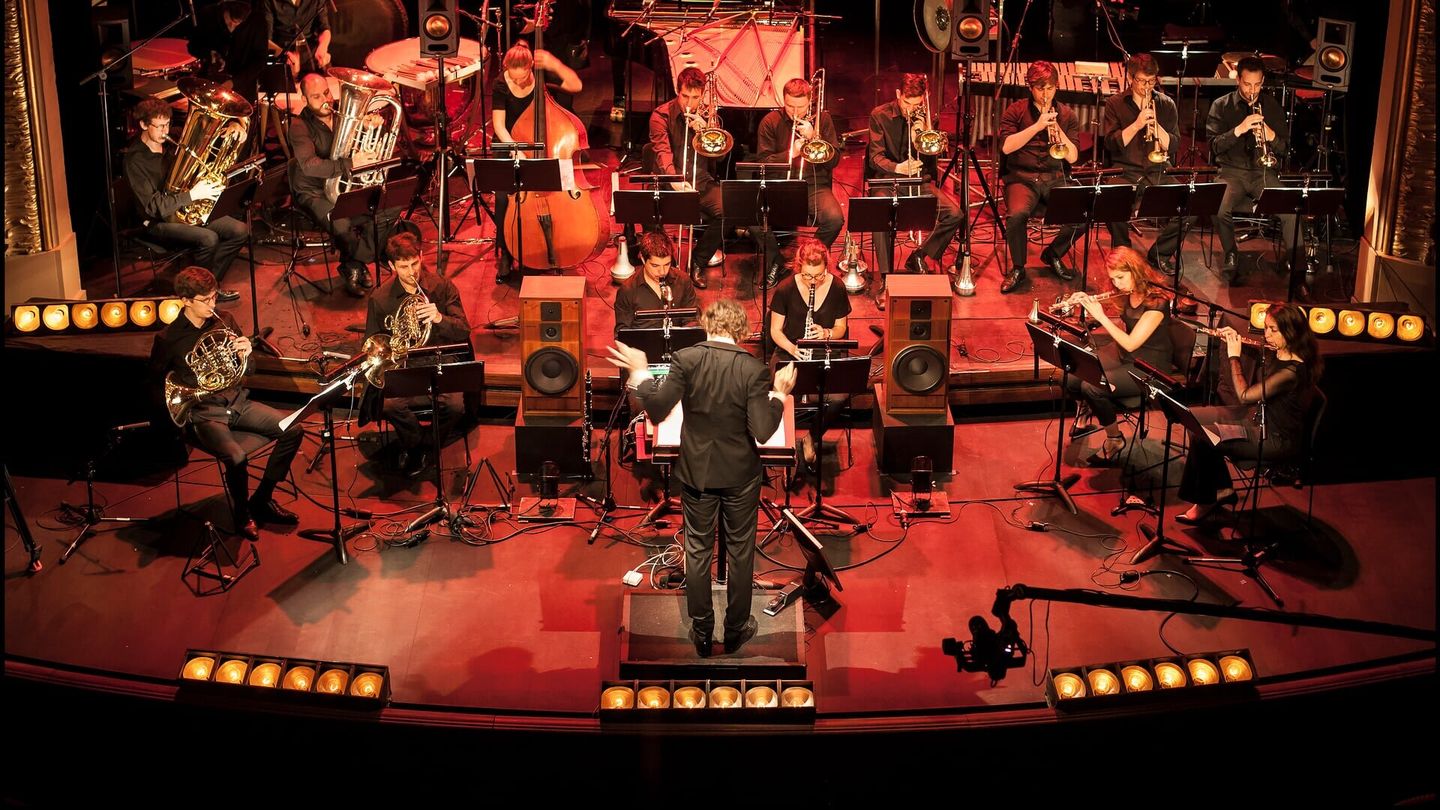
(530, 222)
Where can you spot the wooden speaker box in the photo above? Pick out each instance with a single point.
(552, 350)
(917, 344)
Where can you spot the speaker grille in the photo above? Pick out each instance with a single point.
(551, 371)
(918, 369)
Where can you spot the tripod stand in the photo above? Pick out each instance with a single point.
(325, 400)
(1070, 359)
(1174, 412)
(21, 525)
(435, 380)
(90, 514)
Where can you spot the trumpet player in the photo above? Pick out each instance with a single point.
(782, 137)
(1141, 330)
(1142, 130)
(216, 414)
(218, 242)
(1038, 136)
(445, 313)
(312, 143)
(1247, 130)
(672, 126)
(894, 127)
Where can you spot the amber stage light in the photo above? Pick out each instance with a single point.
(1410, 328)
(797, 697)
(725, 697)
(618, 697)
(114, 314)
(232, 671)
(299, 678)
(142, 313)
(1202, 672)
(1068, 685)
(266, 675)
(198, 668)
(170, 309)
(1103, 682)
(1352, 323)
(760, 697)
(1381, 326)
(1257, 314)
(367, 685)
(56, 317)
(653, 697)
(1234, 668)
(1137, 679)
(689, 697)
(332, 682)
(27, 318)
(1170, 676)
(1322, 320)
(85, 316)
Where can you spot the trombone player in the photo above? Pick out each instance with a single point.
(1038, 137)
(1248, 138)
(1142, 131)
(673, 126)
(806, 138)
(215, 414)
(901, 135)
(434, 303)
(312, 142)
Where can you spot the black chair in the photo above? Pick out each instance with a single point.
(132, 233)
(1296, 467)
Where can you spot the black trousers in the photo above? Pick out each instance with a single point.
(215, 437)
(1168, 242)
(1205, 472)
(949, 218)
(216, 243)
(735, 510)
(1022, 197)
(825, 215)
(1243, 187)
(400, 411)
(354, 236)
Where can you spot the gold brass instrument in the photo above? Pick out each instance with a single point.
(407, 331)
(711, 140)
(1063, 307)
(924, 138)
(364, 98)
(1266, 157)
(1157, 152)
(816, 150)
(1205, 330)
(1058, 150)
(215, 131)
(852, 267)
(217, 366)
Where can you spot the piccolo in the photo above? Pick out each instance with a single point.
(1206, 330)
(1064, 307)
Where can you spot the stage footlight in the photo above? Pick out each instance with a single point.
(1410, 328)
(25, 318)
(368, 685)
(760, 697)
(266, 675)
(1385, 322)
(56, 317)
(1257, 314)
(1136, 678)
(689, 697)
(1202, 672)
(617, 697)
(332, 681)
(243, 676)
(1068, 686)
(1169, 675)
(725, 697)
(142, 313)
(1381, 325)
(1322, 320)
(85, 316)
(170, 309)
(729, 701)
(198, 668)
(1103, 682)
(1235, 668)
(299, 678)
(797, 697)
(653, 697)
(1352, 323)
(114, 314)
(1097, 685)
(232, 671)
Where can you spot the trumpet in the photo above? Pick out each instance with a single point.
(1157, 152)
(1266, 157)
(1058, 149)
(815, 150)
(924, 139)
(1206, 330)
(1065, 307)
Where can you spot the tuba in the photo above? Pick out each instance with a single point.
(362, 127)
(215, 131)
(217, 366)
(711, 140)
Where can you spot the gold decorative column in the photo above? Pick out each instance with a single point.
(1397, 252)
(40, 253)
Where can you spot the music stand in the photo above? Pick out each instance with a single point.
(387, 195)
(771, 204)
(653, 208)
(433, 380)
(891, 214)
(812, 584)
(821, 376)
(1175, 412)
(366, 201)
(660, 342)
(1181, 200)
(1301, 202)
(242, 198)
(1070, 359)
(325, 401)
(514, 176)
(1189, 63)
(1089, 205)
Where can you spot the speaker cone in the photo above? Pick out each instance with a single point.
(918, 369)
(551, 371)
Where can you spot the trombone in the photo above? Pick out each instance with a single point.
(816, 150)
(924, 139)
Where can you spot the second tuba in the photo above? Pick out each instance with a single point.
(215, 132)
(361, 126)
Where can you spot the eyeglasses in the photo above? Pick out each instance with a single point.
(1151, 82)
(207, 299)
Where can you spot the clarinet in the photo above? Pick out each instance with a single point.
(804, 354)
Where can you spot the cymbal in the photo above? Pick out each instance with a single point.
(211, 96)
(932, 23)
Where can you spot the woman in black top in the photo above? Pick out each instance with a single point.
(814, 291)
(1288, 389)
(514, 88)
(1143, 332)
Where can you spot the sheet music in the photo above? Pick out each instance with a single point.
(567, 175)
(300, 412)
(1225, 431)
(667, 433)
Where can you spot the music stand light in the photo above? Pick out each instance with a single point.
(923, 500)
(549, 507)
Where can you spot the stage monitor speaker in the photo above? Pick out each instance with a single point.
(917, 344)
(1335, 47)
(552, 345)
(973, 30)
(439, 28)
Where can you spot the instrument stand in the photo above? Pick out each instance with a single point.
(822, 376)
(1174, 412)
(965, 154)
(515, 176)
(90, 514)
(325, 401)
(1183, 200)
(1071, 359)
(1089, 206)
(102, 77)
(606, 504)
(1301, 203)
(1151, 381)
(439, 378)
(216, 561)
(751, 202)
(21, 525)
(885, 216)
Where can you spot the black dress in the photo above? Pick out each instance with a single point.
(792, 304)
(1157, 350)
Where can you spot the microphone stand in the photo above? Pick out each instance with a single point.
(102, 76)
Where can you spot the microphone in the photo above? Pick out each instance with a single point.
(193, 22)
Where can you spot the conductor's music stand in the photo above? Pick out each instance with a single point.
(1301, 202)
(1088, 206)
(1183, 200)
(659, 342)
(1175, 412)
(517, 175)
(822, 375)
(770, 204)
(1070, 359)
(890, 214)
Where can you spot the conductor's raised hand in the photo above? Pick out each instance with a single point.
(785, 379)
(627, 357)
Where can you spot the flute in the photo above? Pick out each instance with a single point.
(1206, 330)
(1064, 307)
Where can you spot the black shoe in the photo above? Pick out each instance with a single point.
(269, 511)
(1012, 280)
(917, 263)
(1057, 266)
(746, 633)
(352, 282)
(1231, 269)
(1100, 458)
(366, 282)
(702, 643)
(697, 278)
(226, 296)
(774, 274)
(412, 463)
(1078, 431)
(503, 268)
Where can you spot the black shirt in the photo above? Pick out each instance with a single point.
(773, 145)
(668, 141)
(453, 326)
(889, 144)
(1289, 392)
(792, 304)
(636, 294)
(1120, 112)
(283, 20)
(145, 172)
(1033, 159)
(1232, 151)
(514, 106)
(167, 355)
(311, 142)
(1158, 349)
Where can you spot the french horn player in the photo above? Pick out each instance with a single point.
(202, 358)
(416, 308)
